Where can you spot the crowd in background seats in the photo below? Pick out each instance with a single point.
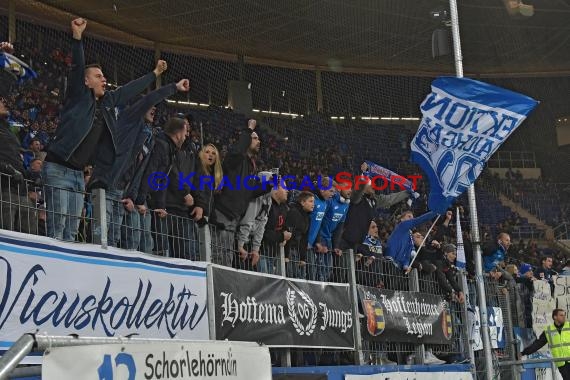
(314, 146)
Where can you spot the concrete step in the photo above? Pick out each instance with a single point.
(515, 207)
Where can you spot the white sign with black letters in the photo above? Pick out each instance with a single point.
(175, 360)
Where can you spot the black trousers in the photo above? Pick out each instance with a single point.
(565, 371)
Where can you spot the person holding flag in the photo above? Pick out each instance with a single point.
(362, 210)
(401, 247)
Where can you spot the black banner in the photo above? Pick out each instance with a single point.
(395, 316)
(281, 312)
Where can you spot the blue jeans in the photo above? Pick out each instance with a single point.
(293, 267)
(137, 231)
(64, 192)
(310, 266)
(160, 232)
(324, 264)
(320, 265)
(115, 212)
(269, 265)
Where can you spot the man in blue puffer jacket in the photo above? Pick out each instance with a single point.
(87, 134)
(494, 256)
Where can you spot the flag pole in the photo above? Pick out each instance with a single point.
(489, 371)
(423, 242)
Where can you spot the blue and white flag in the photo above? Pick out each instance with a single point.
(386, 174)
(460, 261)
(464, 122)
(17, 68)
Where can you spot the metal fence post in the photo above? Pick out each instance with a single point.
(210, 294)
(99, 217)
(467, 329)
(510, 336)
(11, 358)
(282, 269)
(286, 353)
(205, 243)
(415, 287)
(358, 354)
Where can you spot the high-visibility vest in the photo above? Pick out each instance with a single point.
(559, 343)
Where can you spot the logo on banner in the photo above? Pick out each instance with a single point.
(446, 325)
(299, 312)
(375, 317)
(105, 370)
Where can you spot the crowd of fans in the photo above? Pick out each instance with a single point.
(56, 153)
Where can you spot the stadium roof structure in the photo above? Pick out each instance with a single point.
(368, 36)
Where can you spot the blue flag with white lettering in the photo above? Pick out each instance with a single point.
(387, 175)
(17, 68)
(464, 122)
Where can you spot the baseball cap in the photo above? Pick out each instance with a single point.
(524, 268)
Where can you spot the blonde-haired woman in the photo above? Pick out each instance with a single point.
(210, 173)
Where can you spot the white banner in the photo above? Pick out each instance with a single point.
(444, 374)
(175, 360)
(496, 328)
(542, 317)
(562, 292)
(542, 290)
(60, 288)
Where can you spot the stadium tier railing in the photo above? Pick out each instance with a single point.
(25, 208)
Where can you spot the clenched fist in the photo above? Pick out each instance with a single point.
(183, 85)
(161, 67)
(251, 124)
(6, 47)
(77, 27)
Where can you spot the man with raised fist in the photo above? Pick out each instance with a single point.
(136, 142)
(86, 134)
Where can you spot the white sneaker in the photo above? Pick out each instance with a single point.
(382, 359)
(430, 358)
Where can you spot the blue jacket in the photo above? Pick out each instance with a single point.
(131, 137)
(400, 243)
(493, 257)
(334, 217)
(78, 113)
(317, 216)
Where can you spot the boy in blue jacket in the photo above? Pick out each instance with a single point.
(317, 251)
(331, 230)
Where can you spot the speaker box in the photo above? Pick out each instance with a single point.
(440, 43)
(239, 97)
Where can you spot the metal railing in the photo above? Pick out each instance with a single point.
(562, 231)
(105, 221)
(513, 159)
